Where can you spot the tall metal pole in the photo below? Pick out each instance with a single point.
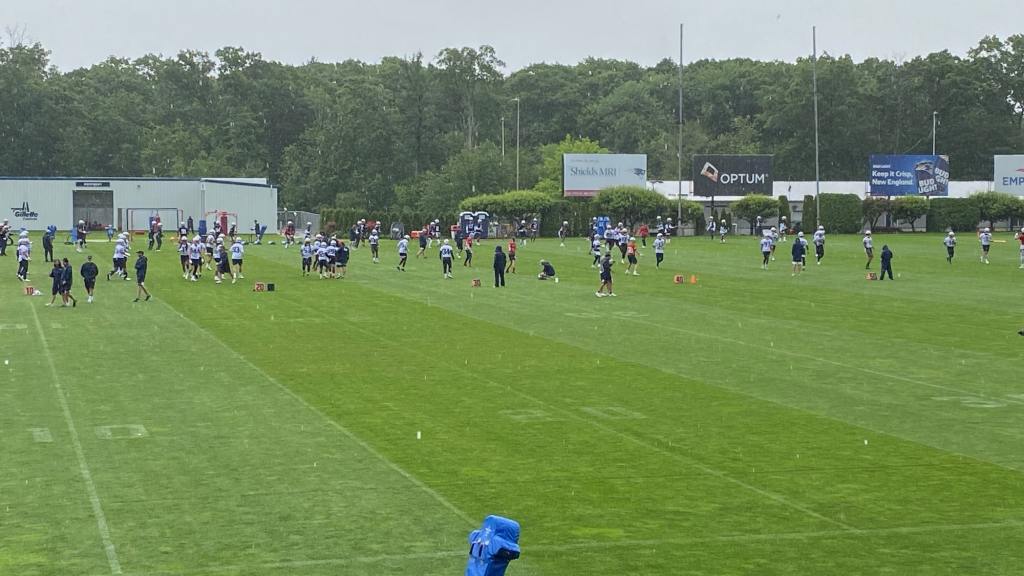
(517, 142)
(935, 121)
(503, 138)
(679, 153)
(817, 163)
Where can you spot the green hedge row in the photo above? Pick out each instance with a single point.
(959, 214)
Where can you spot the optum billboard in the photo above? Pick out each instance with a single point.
(587, 174)
(732, 175)
(1009, 174)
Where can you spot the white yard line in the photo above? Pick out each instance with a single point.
(83, 465)
(348, 433)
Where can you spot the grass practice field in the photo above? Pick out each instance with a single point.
(753, 423)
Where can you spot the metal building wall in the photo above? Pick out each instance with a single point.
(52, 199)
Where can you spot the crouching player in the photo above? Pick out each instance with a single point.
(547, 271)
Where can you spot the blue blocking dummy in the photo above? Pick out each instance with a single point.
(492, 547)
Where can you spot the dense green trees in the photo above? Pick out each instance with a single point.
(421, 133)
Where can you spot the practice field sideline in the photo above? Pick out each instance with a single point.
(749, 423)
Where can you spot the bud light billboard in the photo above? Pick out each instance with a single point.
(909, 175)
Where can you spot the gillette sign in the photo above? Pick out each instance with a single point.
(1009, 174)
(732, 175)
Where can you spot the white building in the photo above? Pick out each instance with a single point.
(128, 203)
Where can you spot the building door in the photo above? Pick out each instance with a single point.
(96, 207)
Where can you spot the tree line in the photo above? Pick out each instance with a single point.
(424, 134)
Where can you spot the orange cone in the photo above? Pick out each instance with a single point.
(693, 278)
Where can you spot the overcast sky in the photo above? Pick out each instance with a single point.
(83, 32)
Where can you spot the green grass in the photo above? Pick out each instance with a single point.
(753, 423)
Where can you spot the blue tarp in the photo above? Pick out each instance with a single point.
(492, 547)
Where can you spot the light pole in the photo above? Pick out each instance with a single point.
(817, 164)
(679, 151)
(935, 122)
(502, 138)
(516, 100)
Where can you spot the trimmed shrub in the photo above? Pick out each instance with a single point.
(840, 213)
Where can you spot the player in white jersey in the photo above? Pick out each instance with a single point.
(237, 254)
(332, 258)
(950, 242)
(120, 260)
(24, 256)
(723, 230)
(208, 245)
(767, 246)
(183, 255)
(322, 259)
(783, 229)
(819, 244)
(306, 251)
(446, 253)
(403, 252)
(986, 242)
(220, 259)
(659, 249)
(595, 250)
(803, 242)
(563, 232)
(774, 235)
(869, 248)
(195, 257)
(375, 245)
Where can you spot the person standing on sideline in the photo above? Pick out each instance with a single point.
(67, 278)
(986, 242)
(886, 262)
(766, 248)
(869, 249)
(57, 276)
(25, 254)
(499, 267)
(511, 256)
(659, 249)
(47, 247)
(605, 289)
(468, 251)
(799, 251)
(403, 252)
(819, 243)
(950, 242)
(89, 272)
(141, 267)
(447, 255)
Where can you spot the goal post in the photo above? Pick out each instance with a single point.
(137, 220)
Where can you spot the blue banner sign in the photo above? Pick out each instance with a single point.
(909, 175)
